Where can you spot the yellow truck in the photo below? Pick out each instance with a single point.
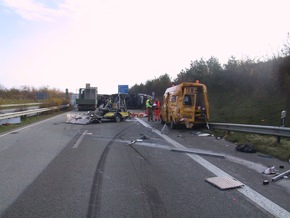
(185, 104)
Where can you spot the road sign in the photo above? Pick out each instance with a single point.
(123, 89)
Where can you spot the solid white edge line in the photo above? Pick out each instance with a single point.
(28, 126)
(257, 198)
(25, 127)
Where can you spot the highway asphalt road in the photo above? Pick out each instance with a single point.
(128, 169)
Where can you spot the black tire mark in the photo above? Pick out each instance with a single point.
(154, 200)
(144, 171)
(95, 196)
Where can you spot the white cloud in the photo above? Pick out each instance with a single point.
(36, 11)
(107, 43)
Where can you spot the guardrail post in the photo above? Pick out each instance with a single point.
(283, 121)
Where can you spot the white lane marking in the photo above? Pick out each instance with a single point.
(76, 145)
(30, 125)
(25, 127)
(257, 198)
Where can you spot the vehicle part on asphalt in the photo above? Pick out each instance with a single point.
(266, 182)
(224, 182)
(198, 152)
(281, 175)
(270, 170)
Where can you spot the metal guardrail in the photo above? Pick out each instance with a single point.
(267, 130)
(23, 113)
(257, 129)
(28, 112)
(20, 105)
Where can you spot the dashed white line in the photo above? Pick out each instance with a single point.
(76, 145)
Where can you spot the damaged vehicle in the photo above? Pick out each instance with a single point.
(115, 110)
(185, 104)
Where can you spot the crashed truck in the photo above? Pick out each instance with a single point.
(88, 98)
(110, 107)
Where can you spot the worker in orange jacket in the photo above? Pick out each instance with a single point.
(157, 108)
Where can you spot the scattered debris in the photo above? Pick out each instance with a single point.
(141, 114)
(195, 132)
(138, 140)
(199, 133)
(83, 118)
(246, 148)
(144, 137)
(262, 155)
(197, 152)
(132, 142)
(266, 182)
(204, 134)
(270, 170)
(224, 182)
(281, 175)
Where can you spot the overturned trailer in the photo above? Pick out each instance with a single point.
(136, 101)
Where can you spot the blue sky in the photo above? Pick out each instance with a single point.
(68, 43)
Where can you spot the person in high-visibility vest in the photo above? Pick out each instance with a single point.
(149, 109)
(157, 107)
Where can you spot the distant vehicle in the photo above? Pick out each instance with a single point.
(185, 104)
(88, 98)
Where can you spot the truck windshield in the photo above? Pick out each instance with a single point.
(188, 100)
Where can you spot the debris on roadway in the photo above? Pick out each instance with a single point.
(198, 152)
(281, 175)
(270, 170)
(224, 182)
(83, 118)
(247, 148)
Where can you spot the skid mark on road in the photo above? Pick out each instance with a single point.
(95, 196)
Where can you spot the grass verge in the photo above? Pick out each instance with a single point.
(263, 143)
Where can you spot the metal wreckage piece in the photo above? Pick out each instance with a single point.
(83, 118)
(281, 175)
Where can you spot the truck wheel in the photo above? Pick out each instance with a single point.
(118, 118)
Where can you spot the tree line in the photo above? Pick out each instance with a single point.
(243, 77)
(247, 90)
(27, 94)
(239, 77)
